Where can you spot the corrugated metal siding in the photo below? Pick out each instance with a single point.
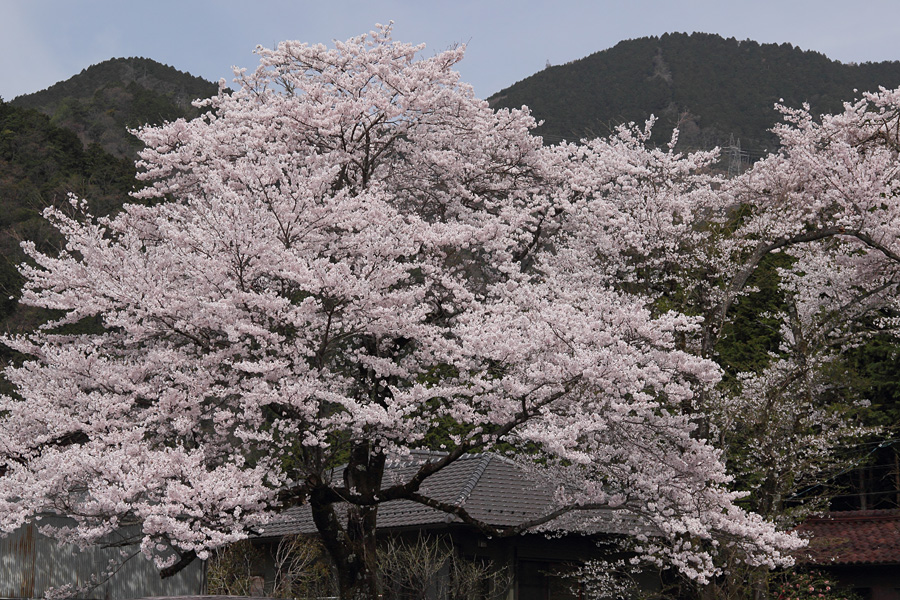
(30, 563)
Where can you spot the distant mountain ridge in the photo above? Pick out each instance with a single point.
(104, 100)
(714, 88)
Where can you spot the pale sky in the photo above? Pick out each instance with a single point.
(45, 41)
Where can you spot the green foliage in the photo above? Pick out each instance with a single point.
(876, 369)
(40, 164)
(752, 334)
(799, 584)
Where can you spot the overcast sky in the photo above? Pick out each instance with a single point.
(45, 41)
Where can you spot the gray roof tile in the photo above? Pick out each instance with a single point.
(491, 487)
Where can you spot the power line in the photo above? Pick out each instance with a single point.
(883, 444)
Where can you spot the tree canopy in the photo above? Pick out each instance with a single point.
(351, 256)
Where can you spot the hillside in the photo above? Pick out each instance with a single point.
(40, 164)
(104, 100)
(73, 138)
(713, 87)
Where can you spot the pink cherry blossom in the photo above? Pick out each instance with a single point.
(344, 258)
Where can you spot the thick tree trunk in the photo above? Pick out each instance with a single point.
(361, 534)
(351, 544)
(352, 548)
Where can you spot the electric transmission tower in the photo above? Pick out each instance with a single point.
(735, 157)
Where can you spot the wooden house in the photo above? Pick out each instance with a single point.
(501, 493)
(860, 548)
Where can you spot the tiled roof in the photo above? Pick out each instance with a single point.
(206, 598)
(852, 537)
(491, 487)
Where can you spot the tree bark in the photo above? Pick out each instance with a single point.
(352, 547)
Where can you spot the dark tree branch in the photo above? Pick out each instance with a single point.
(492, 530)
(739, 282)
(406, 490)
(183, 561)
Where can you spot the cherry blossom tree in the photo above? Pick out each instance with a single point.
(824, 209)
(345, 258)
(825, 204)
(827, 201)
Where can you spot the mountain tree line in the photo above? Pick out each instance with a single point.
(712, 88)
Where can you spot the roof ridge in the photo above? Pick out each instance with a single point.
(474, 478)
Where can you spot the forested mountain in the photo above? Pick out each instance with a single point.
(104, 100)
(713, 88)
(40, 165)
(73, 138)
